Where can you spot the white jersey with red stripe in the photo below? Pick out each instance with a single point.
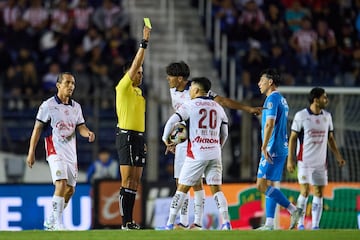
(61, 121)
(313, 132)
(205, 118)
(177, 99)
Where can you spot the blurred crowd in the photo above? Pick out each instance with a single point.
(312, 42)
(41, 38)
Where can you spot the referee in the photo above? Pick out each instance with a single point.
(130, 143)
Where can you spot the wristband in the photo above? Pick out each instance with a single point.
(144, 43)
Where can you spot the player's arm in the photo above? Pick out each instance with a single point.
(232, 104)
(170, 147)
(169, 126)
(333, 147)
(224, 132)
(268, 129)
(35, 136)
(140, 55)
(292, 146)
(85, 132)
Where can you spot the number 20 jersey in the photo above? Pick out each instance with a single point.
(204, 118)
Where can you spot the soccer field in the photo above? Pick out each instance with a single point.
(186, 235)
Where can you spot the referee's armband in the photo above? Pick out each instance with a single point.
(144, 43)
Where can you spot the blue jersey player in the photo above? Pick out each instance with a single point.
(274, 149)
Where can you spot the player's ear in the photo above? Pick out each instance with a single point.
(271, 81)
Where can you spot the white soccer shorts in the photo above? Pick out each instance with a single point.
(62, 169)
(315, 176)
(193, 170)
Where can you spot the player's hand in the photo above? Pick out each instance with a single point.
(91, 136)
(267, 156)
(341, 162)
(30, 160)
(256, 110)
(290, 165)
(146, 33)
(170, 147)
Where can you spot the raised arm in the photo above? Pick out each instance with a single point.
(140, 55)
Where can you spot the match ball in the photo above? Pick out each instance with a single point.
(179, 134)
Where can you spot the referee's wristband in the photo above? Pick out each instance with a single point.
(144, 43)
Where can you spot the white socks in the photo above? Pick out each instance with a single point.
(175, 206)
(199, 201)
(184, 211)
(301, 203)
(58, 208)
(316, 211)
(222, 205)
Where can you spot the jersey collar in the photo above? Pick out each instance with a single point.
(205, 97)
(57, 99)
(311, 113)
(187, 87)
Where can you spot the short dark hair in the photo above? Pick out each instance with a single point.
(178, 69)
(60, 76)
(316, 92)
(272, 73)
(204, 83)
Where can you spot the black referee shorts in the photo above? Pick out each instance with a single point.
(130, 146)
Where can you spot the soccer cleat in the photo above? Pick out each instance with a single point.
(265, 228)
(181, 226)
(130, 226)
(167, 227)
(295, 216)
(59, 227)
(226, 226)
(301, 227)
(195, 226)
(315, 228)
(49, 225)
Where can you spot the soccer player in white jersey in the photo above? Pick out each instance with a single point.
(208, 131)
(59, 117)
(313, 127)
(177, 76)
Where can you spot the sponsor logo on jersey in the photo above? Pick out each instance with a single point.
(199, 139)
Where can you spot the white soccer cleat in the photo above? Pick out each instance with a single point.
(295, 216)
(265, 228)
(59, 227)
(49, 224)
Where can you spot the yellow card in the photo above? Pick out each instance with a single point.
(147, 22)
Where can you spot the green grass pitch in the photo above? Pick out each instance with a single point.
(183, 235)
